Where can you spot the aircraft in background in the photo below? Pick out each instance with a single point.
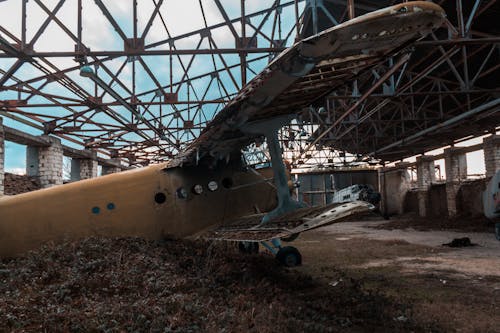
(207, 191)
(357, 192)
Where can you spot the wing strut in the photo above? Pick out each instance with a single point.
(269, 128)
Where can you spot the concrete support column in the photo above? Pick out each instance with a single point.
(382, 189)
(88, 169)
(426, 173)
(491, 147)
(84, 168)
(107, 169)
(75, 170)
(394, 183)
(2, 157)
(456, 172)
(404, 186)
(46, 162)
(32, 161)
(425, 177)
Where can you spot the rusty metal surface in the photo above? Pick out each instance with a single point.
(250, 228)
(453, 70)
(312, 68)
(446, 94)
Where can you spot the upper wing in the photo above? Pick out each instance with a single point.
(250, 229)
(310, 69)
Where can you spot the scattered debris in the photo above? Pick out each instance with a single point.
(460, 242)
(401, 318)
(17, 184)
(335, 283)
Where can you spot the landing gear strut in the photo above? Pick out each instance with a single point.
(270, 128)
(288, 256)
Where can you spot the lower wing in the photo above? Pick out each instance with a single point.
(250, 229)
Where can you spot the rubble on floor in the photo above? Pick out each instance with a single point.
(17, 184)
(460, 242)
(130, 284)
(459, 223)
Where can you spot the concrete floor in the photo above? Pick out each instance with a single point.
(447, 289)
(483, 259)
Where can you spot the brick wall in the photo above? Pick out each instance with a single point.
(491, 146)
(107, 170)
(425, 172)
(50, 163)
(88, 169)
(456, 172)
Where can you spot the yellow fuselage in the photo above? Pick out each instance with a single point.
(130, 204)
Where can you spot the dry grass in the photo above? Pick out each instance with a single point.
(117, 285)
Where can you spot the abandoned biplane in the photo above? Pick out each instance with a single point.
(206, 191)
(363, 192)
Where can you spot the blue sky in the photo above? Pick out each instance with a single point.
(15, 157)
(98, 34)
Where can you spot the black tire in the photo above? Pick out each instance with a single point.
(248, 247)
(289, 256)
(291, 238)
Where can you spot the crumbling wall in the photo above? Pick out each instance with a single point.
(411, 202)
(397, 184)
(470, 198)
(438, 205)
(17, 184)
(435, 200)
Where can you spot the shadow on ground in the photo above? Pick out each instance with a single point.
(183, 286)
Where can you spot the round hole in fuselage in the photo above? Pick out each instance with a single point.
(160, 198)
(197, 189)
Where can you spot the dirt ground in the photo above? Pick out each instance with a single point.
(354, 278)
(458, 223)
(447, 289)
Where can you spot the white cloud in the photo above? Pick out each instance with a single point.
(16, 171)
(98, 34)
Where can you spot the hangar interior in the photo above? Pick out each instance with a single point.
(97, 97)
(155, 87)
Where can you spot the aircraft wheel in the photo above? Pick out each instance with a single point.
(291, 238)
(248, 247)
(289, 256)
